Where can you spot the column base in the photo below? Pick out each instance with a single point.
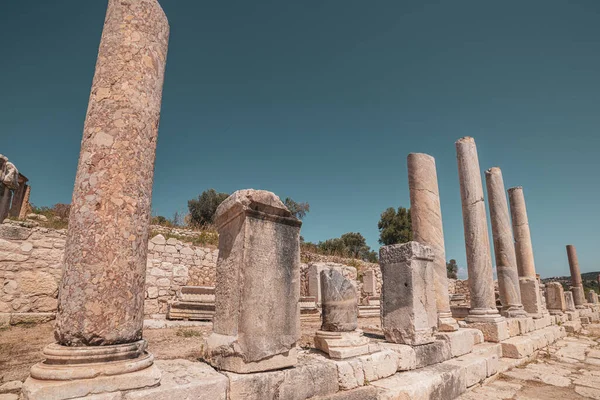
(341, 345)
(514, 312)
(220, 356)
(446, 323)
(72, 372)
(493, 326)
(530, 297)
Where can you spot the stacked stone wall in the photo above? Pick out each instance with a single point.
(31, 266)
(458, 286)
(172, 264)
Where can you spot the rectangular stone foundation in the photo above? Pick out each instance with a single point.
(524, 346)
(530, 296)
(492, 331)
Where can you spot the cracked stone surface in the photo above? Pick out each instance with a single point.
(479, 259)
(102, 291)
(427, 227)
(569, 369)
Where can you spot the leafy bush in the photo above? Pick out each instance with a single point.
(202, 210)
(395, 227)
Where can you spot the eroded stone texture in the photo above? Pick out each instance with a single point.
(569, 302)
(370, 282)
(408, 310)
(576, 282)
(340, 306)
(530, 288)
(256, 321)
(102, 291)
(427, 228)
(592, 297)
(479, 262)
(504, 249)
(555, 298)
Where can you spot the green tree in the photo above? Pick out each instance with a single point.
(395, 226)
(298, 209)
(452, 269)
(355, 244)
(202, 210)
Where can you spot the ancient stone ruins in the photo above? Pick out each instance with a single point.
(105, 276)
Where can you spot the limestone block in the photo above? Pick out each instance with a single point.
(555, 298)
(517, 347)
(477, 335)
(31, 317)
(183, 379)
(409, 314)
(370, 282)
(543, 322)
(407, 355)
(513, 327)
(256, 321)
(299, 383)
(530, 296)
(14, 232)
(474, 366)
(37, 389)
(360, 393)
(526, 325)
(492, 331)
(4, 319)
(461, 342)
(432, 353)
(492, 352)
(341, 345)
(436, 382)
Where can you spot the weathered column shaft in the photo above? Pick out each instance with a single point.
(427, 228)
(504, 249)
(25, 203)
(574, 266)
(522, 235)
(101, 299)
(576, 281)
(530, 288)
(479, 262)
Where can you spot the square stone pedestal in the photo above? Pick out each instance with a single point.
(341, 345)
(493, 331)
(531, 298)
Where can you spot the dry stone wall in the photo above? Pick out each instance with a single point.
(31, 266)
(172, 264)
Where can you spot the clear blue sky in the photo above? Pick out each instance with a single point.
(323, 100)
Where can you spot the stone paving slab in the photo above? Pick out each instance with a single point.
(567, 369)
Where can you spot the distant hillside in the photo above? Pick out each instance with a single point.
(590, 281)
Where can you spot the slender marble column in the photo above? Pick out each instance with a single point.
(504, 249)
(427, 228)
(530, 288)
(576, 282)
(101, 297)
(479, 262)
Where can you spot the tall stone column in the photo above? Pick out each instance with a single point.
(479, 261)
(504, 249)
(101, 298)
(427, 228)
(257, 316)
(530, 288)
(576, 282)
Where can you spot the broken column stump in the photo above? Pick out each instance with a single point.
(339, 336)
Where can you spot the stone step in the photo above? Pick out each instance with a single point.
(524, 345)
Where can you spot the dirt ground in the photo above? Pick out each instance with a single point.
(21, 346)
